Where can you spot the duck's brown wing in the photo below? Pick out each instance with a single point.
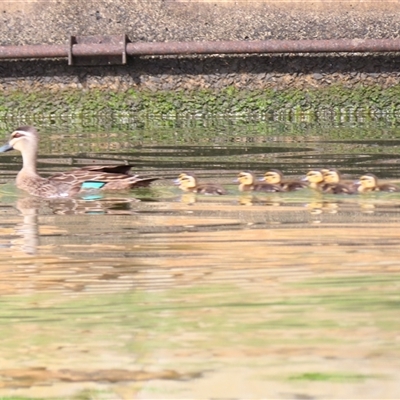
(292, 186)
(128, 183)
(112, 169)
(210, 188)
(338, 188)
(107, 174)
(267, 187)
(388, 187)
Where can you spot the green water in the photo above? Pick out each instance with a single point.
(159, 295)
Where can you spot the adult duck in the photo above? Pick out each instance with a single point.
(108, 178)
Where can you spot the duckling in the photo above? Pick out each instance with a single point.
(332, 175)
(369, 183)
(247, 183)
(332, 183)
(315, 178)
(189, 183)
(275, 177)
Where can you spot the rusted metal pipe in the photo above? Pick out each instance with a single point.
(206, 47)
(264, 46)
(33, 51)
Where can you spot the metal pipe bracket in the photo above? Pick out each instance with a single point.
(97, 50)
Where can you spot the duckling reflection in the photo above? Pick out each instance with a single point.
(247, 199)
(366, 206)
(319, 207)
(188, 198)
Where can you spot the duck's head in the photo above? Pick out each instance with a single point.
(325, 170)
(24, 139)
(368, 182)
(331, 175)
(314, 177)
(186, 181)
(273, 176)
(246, 178)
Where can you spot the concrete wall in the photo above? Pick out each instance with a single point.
(52, 21)
(40, 21)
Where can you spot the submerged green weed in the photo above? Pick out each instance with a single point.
(330, 377)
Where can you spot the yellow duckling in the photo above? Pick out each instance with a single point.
(369, 183)
(247, 183)
(275, 177)
(332, 175)
(188, 183)
(315, 178)
(333, 184)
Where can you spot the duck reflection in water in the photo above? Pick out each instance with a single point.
(28, 229)
(29, 208)
(97, 205)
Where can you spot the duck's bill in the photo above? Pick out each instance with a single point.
(177, 182)
(5, 148)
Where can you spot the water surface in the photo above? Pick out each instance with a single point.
(159, 295)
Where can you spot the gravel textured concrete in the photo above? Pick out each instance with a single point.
(40, 22)
(162, 20)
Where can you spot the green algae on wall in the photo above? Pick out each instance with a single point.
(331, 101)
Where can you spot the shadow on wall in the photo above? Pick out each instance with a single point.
(282, 64)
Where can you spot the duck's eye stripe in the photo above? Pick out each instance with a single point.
(18, 135)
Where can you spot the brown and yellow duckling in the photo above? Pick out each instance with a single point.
(188, 182)
(333, 184)
(332, 175)
(248, 183)
(315, 179)
(275, 177)
(369, 183)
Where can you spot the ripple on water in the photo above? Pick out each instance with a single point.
(156, 294)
